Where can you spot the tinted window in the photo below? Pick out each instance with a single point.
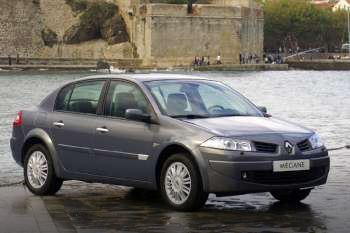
(81, 97)
(123, 96)
(63, 98)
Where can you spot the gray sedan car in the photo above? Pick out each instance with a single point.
(184, 136)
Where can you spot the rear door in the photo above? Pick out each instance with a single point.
(123, 147)
(72, 124)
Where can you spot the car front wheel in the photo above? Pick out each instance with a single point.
(180, 183)
(39, 174)
(290, 196)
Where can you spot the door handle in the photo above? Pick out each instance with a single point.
(102, 129)
(58, 124)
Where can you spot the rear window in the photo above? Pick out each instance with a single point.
(81, 97)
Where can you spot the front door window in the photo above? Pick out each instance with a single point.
(123, 96)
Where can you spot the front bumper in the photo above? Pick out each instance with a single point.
(233, 173)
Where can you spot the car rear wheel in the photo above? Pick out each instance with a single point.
(181, 185)
(39, 174)
(291, 196)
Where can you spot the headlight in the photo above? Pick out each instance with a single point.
(227, 144)
(316, 141)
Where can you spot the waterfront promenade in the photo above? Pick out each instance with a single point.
(122, 64)
(233, 67)
(136, 64)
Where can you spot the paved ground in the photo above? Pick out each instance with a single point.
(98, 208)
(22, 212)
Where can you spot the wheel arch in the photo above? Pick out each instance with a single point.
(39, 136)
(175, 148)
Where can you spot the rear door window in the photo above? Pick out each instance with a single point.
(63, 97)
(82, 97)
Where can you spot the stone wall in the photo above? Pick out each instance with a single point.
(58, 16)
(319, 64)
(161, 35)
(166, 35)
(184, 37)
(20, 27)
(242, 3)
(21, 24)
(252, 31)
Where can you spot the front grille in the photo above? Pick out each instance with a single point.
(265, 147)
(304, 145)
(279, 178)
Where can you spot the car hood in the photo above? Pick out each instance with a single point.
(239, 126)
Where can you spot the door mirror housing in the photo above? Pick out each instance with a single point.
(264, 111)
(137, 115)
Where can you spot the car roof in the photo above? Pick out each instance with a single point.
(141, 77)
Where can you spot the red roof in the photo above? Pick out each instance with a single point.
(326, 5)
(348, 1)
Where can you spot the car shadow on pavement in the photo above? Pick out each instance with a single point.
(106, 208)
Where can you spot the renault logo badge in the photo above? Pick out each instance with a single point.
(289, 147)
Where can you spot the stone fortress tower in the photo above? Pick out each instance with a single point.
(165, 34)
(156, 34)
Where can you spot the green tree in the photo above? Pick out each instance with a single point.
(298, 23)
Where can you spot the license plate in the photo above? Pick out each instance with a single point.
(291, 165)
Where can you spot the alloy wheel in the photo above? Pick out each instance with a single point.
(37, 169)
(178, 183)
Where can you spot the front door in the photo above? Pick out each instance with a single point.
(123, 147)
(72, 125)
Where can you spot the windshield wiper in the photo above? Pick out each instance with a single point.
(229, 115)
(190, 116)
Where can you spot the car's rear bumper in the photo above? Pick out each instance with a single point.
(238, 175)
(16, 143)
(16, 150)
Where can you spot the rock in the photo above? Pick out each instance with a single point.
(49, 37)
(77, 5)
(114, 31)
(79, 33)
(98, 13)
(91, 22)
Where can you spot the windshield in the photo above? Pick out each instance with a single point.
(199, 99)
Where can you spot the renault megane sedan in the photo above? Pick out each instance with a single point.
(184, 136)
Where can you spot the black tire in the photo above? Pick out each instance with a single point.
(52, 184)
(197, 197)
(291, 196)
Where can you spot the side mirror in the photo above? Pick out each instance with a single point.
(137, 115)
(264, 111)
